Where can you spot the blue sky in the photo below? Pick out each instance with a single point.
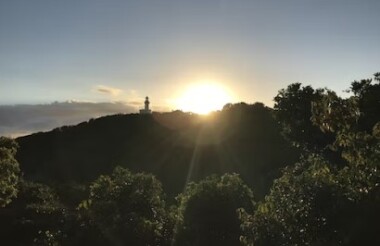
(119, 50)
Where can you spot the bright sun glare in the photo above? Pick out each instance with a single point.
(203, 98)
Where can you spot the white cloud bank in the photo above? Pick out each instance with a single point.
(17, 120)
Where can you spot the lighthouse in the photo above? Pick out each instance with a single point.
(146, 109)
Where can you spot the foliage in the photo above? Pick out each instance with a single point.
(207, 211)
(317, 202)
(127, 208)
(367, 92)
(39, 198)
(333, 114)
(242, 138)
(9, 171)
(293, 107)
(314, 205)
(298, 208)
(359, 148)
(36, 215)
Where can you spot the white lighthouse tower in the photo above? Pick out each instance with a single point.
(146, 109)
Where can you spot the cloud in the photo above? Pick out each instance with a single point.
(108, 90)
(17, 120)
(136, 103)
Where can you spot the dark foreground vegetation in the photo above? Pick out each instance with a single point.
(303, 173)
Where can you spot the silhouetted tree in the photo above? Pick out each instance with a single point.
(127, 208)
(293, 110)
(316, 202)
(367, 92)
(207, 212)
(35, 217)
(298, 210)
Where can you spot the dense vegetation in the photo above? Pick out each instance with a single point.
(303, 173)
(241, 138)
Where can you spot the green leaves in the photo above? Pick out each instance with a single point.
(208, 211)
(293, 111)
(9, 171)
(127, 208)
(332, 113)
(297, 208)
(327, 198)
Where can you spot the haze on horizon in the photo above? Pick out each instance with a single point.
(100, 57)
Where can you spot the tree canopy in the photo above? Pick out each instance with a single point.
(318, 201)
(9, 170)
(207, 211)
(127, 208)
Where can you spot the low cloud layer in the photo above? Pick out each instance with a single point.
(18, 120)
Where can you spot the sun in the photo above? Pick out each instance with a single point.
(203, 98)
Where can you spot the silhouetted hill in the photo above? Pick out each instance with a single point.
(174, 146)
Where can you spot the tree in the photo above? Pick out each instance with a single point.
(293, 111)
(9, 170)
(298, 210)
(312, 204)
(320, 202)
(36, 215)
(359, 147)
(367, 92)
(127, 208)
(207, 211)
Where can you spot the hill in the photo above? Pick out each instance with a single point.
(175, 146)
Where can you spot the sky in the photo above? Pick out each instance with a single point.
(85, 54)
